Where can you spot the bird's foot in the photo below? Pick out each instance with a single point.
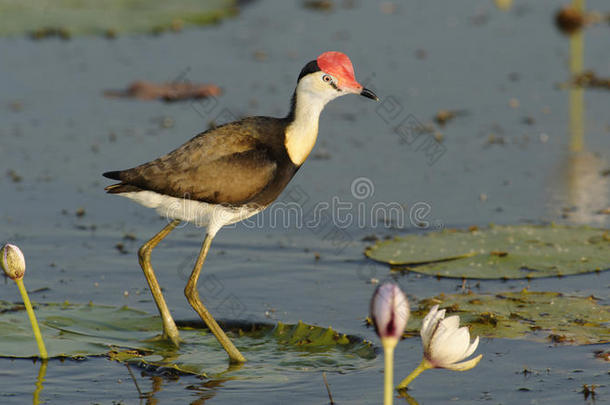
(173, 338)
(165, 337)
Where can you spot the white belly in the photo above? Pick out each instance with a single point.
(202, 214)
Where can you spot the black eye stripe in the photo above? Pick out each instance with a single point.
(311, 67)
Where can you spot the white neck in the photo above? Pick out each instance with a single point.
(302, 132)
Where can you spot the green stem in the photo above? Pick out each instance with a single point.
(28, 307)
(424, 365)
(388, 375)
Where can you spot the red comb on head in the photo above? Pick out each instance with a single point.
(337, 64)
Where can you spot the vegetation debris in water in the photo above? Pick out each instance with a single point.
(173, 91)
(540, 316)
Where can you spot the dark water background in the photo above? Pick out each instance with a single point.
(423, 57)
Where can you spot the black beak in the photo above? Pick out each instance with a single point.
(369, 94)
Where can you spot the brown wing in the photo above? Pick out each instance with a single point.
(227, 165)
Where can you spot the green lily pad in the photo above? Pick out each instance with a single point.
(499, 252)
(538, 316)
(67, 17)
(129, 335)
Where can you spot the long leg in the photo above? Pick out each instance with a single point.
(192, 296)
(169, 326)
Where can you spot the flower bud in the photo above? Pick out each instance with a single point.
(389, 311)
(12, 261)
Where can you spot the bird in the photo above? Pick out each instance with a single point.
(232, 172)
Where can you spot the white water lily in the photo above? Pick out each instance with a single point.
(446, 345)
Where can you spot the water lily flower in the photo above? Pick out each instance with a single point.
(12, 262)
(446, 345)
(389, 312)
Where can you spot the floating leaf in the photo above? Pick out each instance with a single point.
(504, 252)
(125, 334)
(541, 316)
(109, 17)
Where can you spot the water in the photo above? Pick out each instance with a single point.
(477, 59)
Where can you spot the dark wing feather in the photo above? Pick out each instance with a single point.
(227, 165)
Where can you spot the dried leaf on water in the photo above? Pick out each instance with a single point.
(173, 91)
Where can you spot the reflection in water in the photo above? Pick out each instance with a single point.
(157, 383)
(408, 398)
(584, 188)
(587, 189)
(41, 374)
(209, 388)
(204, 391)
(503, 5)
(577, 130)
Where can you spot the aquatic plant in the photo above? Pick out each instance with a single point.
(445, 345)
(389, 312)
(13, 264)
(498, 252)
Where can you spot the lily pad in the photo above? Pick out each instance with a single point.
(538, 316)
(129, 335)
(499, 252)
(109, 17)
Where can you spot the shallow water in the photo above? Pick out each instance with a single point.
(477, 59)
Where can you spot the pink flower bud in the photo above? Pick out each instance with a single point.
(389, 311)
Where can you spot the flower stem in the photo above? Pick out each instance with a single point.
(28, 307)
(424, 365)
(388, 375)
